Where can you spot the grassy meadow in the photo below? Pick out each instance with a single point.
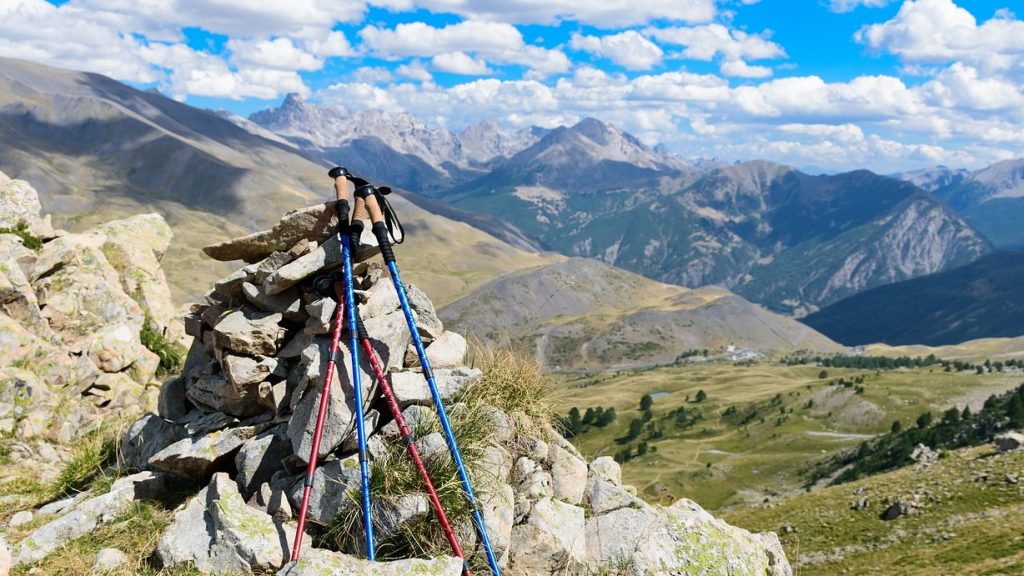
(760, 427)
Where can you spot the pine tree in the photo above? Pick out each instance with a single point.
(645, 402)
(701, 396)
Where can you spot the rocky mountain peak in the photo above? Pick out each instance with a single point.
(293, 100)
(1005, 179)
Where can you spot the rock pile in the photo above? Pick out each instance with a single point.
(237, 426)
(72, 309)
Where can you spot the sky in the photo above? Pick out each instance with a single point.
(824, 85)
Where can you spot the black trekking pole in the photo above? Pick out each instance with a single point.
(369, 199)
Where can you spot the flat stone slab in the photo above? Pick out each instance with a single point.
(313, 223)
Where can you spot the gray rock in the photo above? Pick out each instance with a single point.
(389, 515)
(288, 302)
(325, 256)
(329, 497)
(447, 351)
(81, 520)
(20, 518)
(923, 454)
(390, 335)
(613, 536)
(381, 299)
(272, 264)
(191, 538)
(1009, 441)
(321, 315)
(107, 560)
(220, 534)
(419, 419)
(553, 539)
(146, 485)
(423, 308)
(172, 403)
(19, 203)
(530, 480)
(686, 539)
(145, 437)
(249, 331)
(318, 562)
(244, 372)
(433, 449)
(604, 497)
(411, 388)
(498, 509)
(314, 223)
(213, 393)
(260, 458)
(607, 468)
(568, 475)
(899, 508)
(231, 285)
(197, 458)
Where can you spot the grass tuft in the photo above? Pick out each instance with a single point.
(515, 384)
(29, 240)
(170, 353)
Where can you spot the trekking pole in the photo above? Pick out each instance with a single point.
(410, 446)
(340, 176)
(372, 200)
(318, 430)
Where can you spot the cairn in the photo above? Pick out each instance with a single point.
(240, 419)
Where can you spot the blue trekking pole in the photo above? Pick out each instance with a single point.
(340, 176)
(369, 199)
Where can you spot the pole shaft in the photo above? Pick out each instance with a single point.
(443, 416)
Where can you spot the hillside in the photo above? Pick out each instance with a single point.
(992, 198)
(984, 299)
(582, 314)
(97, 150)
(968, 521)
(790, 241)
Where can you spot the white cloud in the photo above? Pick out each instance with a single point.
(459, 63)
(416, 71)
(495, 42)
(604, 13)
(628, 49)
(939, 31)
(373, 75)
(849, 5)
(276, 54)
(709, 41)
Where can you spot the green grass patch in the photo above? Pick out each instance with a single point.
(28, 239)
(171, 353)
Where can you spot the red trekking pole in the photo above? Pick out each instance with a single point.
(410, 446)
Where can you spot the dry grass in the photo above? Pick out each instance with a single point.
(515, 384)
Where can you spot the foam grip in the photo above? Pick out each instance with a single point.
(355, 231)
(359, 212)
(380, 230)
(373, 207)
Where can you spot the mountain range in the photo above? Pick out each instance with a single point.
(788, 240)
(992, 199)
(982, 299)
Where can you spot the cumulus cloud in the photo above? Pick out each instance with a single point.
(710, 41)
(495, 42)
(460, 63)
(603, 13)
(939, 31)
(849, 5)
(628, 49)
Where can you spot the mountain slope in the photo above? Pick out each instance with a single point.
(97, 149)
(983, 299)
(992, 199)
(788, 240)
(583, 314)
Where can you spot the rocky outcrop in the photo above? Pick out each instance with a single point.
(73, 307)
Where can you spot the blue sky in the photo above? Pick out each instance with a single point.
(821, 84)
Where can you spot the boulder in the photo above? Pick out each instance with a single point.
(146, 437)
(6, 561)
(447, 351)
(244, 372)
(17, 297)
(411, 387)
(19, 204)
(553, 539)
(197, 458)
(260, 458)
(218, 533)
(288, 303)
(249, 331)
(568, 475)
(603, 497)
(329, 497)
(319, 562)
(79, 521)
(213, 393)
(314, 223)
(1009, 441)
(48, 363)
(613, 536)
(391, 514)
(607, 468)
(108, 560)
(497, 505)
(433, 449)
(324, 257)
